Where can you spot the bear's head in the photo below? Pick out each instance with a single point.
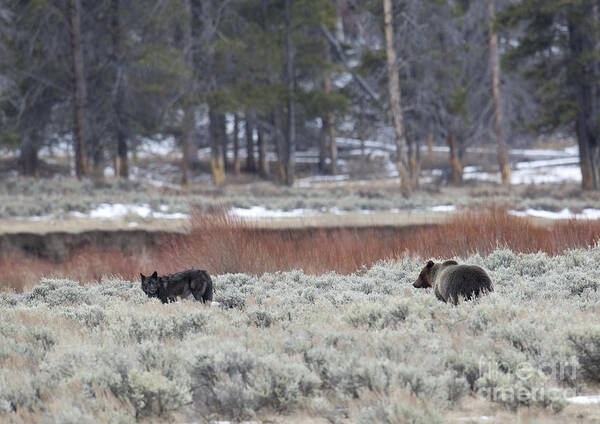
(424, 280)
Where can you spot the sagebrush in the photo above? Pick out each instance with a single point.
(354, 348)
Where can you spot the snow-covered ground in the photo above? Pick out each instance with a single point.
(541, 166)
(110, 211)
(563, 214)
(584, 400)
(261, 212)
(537, 166)
(153, 147)
(563, 167)
(107, 211)
(528, 166)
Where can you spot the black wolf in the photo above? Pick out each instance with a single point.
(194, 282)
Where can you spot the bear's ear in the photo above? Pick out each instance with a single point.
(430, 264)
(154, 275)
(143, 276)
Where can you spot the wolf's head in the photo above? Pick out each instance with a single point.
(151, 284)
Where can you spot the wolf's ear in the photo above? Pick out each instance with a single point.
(143, 276)
(154, 275)
(430, 264)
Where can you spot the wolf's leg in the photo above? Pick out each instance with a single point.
(207, 296)
(198, 292)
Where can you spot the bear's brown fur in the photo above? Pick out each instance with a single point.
(451, 281)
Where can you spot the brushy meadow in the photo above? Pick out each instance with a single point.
(222, 244)
(365, 347)
(66, 197)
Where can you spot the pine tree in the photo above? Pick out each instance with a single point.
(559, 49)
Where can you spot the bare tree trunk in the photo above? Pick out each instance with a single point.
(98, 157)
(585, 158)
(416, 182)
(495, 61)
(456, 169)
(28, 158)
(263, 170)
(332, 145)
(250, 160)
(290, 153)
(217, 132)
(79, 85)
(225, 146)
(584, 76)
(236, 145)
(411, 164)
(122, 149)
(362, 136)
(323, 145)
(328, 140)
(187, 135)
(280, 144)
(430, 146)
(189, 119)
(593, 74)
(414, 168)
(324, 119)
(395, 99)
(328, 118)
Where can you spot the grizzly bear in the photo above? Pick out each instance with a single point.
(451, 281)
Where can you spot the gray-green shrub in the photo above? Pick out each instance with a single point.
(368, 344)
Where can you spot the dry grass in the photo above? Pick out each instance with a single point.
(223, 244)
(483, 232)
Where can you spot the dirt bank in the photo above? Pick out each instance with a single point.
(57, 246)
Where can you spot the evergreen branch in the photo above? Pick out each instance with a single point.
(340, 53)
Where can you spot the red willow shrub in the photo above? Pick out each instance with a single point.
(226, 244)
(220, 244)
(484, 231)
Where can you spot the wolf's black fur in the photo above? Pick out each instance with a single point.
(168, 287)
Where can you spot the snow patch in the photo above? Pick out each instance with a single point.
(584, 400)
(116, 210)
(563, 214)
(442, 208)
(258, 212)
(119, 210)
(61, 148)
(547, 162)
(41, 218)
(530, 175)
(150, 147)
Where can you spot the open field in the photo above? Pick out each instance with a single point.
(316, 321)
(325, 220)
(365, 347)
(225, 244)
(396, 219)
(135, 203)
